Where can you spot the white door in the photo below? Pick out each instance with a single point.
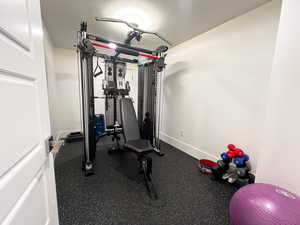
(27, 184)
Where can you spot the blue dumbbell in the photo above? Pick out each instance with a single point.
(224, 156)
(239, 161)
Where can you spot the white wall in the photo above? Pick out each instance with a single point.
(279, 159)
(216, 84)
(68, 110)
(51, 80)
(67, 89)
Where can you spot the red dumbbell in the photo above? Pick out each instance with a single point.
(239, 152)
(231, 147)
(231, 154)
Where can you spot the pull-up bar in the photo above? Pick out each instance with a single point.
(124, 50)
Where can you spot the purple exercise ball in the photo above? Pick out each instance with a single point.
(264, 204)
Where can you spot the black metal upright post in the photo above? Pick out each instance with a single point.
(88, 109)
(116, 136)
(148, 103)
(141, 78)
(115, 94)
(91, 110)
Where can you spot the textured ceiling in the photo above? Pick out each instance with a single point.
(176, 20)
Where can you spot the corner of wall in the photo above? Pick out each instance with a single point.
(187, 148)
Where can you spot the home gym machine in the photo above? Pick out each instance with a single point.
(141, 136)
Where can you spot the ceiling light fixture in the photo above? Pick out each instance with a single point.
(143, 14)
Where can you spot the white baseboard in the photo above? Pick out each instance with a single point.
(187, 148)
(64, 133)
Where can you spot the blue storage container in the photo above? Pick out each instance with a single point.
(100, 124)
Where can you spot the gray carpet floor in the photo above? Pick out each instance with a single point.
(116, 194)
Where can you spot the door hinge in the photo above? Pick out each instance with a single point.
(53, 145)
(49, 144)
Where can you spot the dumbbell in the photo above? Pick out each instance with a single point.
(231, 174)
(242, 171)
(239, 161)
(248, 165)
(220, 170)
(230, 154)
(231, 147)
(239, 152)
(224, 156)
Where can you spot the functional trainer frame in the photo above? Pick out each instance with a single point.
(115, 88)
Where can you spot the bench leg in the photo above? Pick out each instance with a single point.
(146, 164)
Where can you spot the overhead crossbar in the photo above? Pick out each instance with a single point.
(103, 40)
(124, 50)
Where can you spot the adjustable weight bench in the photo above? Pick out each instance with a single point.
(135, 144)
